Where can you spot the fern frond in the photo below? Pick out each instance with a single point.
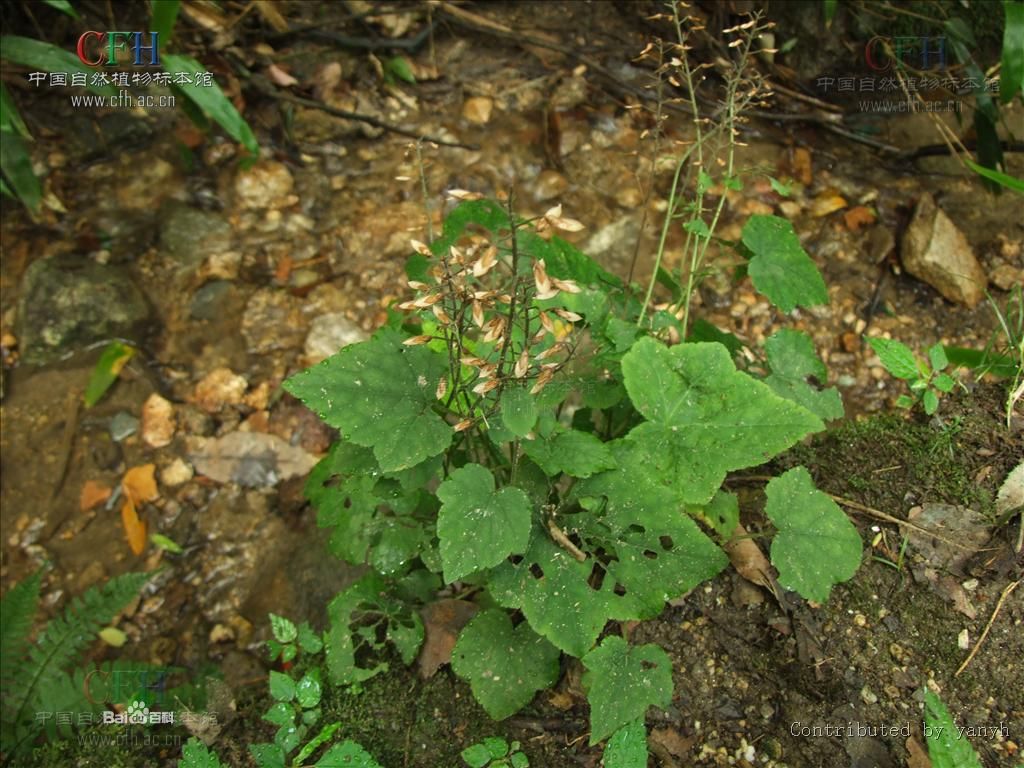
(63, 640)
(17, 609)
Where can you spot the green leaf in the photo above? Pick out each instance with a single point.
(722, 513)
(1003, 179)
(937, 357)
(555, 594)
(518, 760)
(944, 382)
(17, 168)
(267, 755)
(505, 666)
(792, 359)
(1011, 74)
(195, 755)
(212, 101)
(705, 418)
(164, 15)
(779, 188)
(380, 394)
(308, 639)
(518, 410)
(10, 118)
(308, 690)
(622, 681)
(284, 630)
(49, 58)
(311, 746)
(659, 553)
(702, 330)
(476, 755)
(930, 400)
(579, 454)
(829, 7)
(355, 615)
(282, 687)
(64, 7)
(627, 748)
(280, 714)
(904, 401)
(817, 545)
(400, 68)
(166, 544)
(896, 357)
(946, 748)
(17, 610)
(348, 754)
(478, 526)
(697, 227)
(106, 370)
(780, 268)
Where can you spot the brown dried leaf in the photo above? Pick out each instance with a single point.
(858, 217)
(464, 194)
(748, 560)
(134, 528)
(522, 364)
(463, 425)
(279, 76)
(442, 622)
(93, 494)
(139, 483)
(917, 756)
(423, 250)
(674, 742)
(417, 340)
(827, 203)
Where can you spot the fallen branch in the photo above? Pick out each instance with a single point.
(1002, 598)
(265, 87)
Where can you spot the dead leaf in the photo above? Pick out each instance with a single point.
(561, 700)
(1011, 492)
(918, 756)
(442, 622)
(251, 459)
(134, 528)
(279, 76)
(139, 483)
(93, 494)
(673, 741)
(827, 203)
(802, 166)
(858, 217)
(748, 560)
(271, 15)
(478, 110)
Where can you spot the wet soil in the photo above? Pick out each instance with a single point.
(239, 266)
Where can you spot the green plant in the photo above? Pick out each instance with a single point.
(523, 439)
(36, 676)
(494, 753)
(200, 104)
(947, 748)
(925, 378)
(296, 710)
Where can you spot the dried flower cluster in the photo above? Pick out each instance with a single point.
(482, 304)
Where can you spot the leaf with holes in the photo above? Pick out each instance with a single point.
(478, 526)
(380, 394)
(780, 268)
(579, 454)
(505, 666)
(354, 645)
(554, 592)
(792, 358)
(817, 545)
(622, 681)
(659, 553)
(705, 418)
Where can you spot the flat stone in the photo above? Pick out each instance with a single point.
(69, 302)
(188, 235)
(273, 320)
(329, 333)
(935, 251)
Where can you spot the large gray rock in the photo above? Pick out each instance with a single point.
(935, 251)
(69, 302)
(189, 235)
